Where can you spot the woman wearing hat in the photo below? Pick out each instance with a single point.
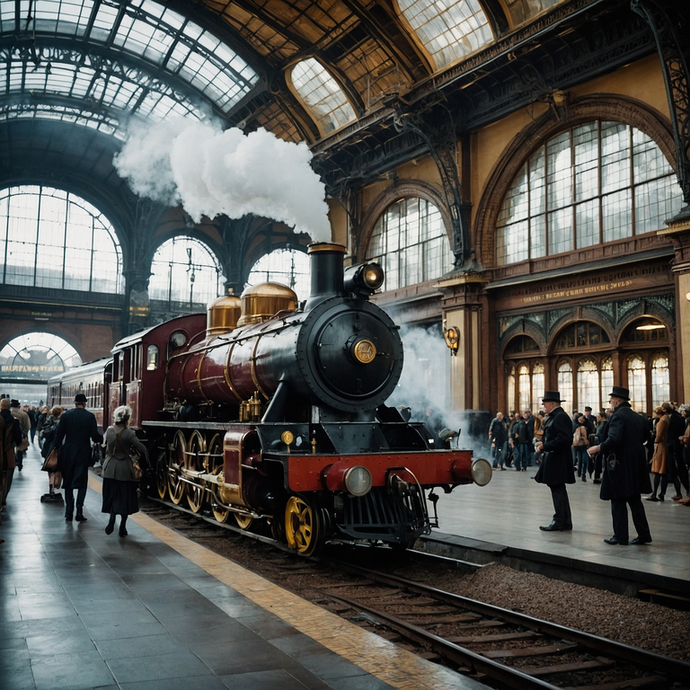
(77, 428)
(556, 469)
(625, 468)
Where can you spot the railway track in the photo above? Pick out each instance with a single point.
(500, 646)
(496, 646)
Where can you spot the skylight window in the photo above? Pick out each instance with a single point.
(322, 95)
(448, 29)
(71, 75)
(146, 29)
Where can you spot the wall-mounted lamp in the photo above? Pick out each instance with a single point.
(452, 337)
(687, 296)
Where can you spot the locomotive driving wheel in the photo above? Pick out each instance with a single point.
(162, 475)
(243, 521)
(176, 458)
(215, 467)
(304, 526)
(194, 461)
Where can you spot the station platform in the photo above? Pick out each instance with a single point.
(504, 516)
(153, 611)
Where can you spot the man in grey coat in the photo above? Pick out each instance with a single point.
(626, 474)
(556, 469)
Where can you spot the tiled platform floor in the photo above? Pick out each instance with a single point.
(509, 510)
(153, 611)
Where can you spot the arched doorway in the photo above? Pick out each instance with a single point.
(525, 371)
(29, 360)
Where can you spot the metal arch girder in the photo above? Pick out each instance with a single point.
(670, 26)
(441, 141)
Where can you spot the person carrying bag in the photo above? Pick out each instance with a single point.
(121, 470)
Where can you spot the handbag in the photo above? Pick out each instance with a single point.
(136, 467)
(50, 463)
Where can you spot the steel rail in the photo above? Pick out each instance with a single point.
(601, 645)
(511, 677)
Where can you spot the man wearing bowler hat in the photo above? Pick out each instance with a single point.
(626, 475)
(77, 428)
(556, 469)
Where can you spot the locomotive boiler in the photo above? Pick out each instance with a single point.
(276, 412)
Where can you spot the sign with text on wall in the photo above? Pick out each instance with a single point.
(583, 286)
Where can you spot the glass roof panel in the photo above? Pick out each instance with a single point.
(143, 28)
(96, 83)
(322, 95)
(448, 29)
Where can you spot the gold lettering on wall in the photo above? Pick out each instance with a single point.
(586, 286)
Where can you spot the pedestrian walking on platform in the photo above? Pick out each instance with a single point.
(77, 428)
(556, 469)
(119, 483)
(626, 474)
(13, 437)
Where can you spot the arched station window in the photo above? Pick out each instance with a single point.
(449, 30)
(185, 273)
(645, 346)
(322, 95)
(50, 238)
(525, 375)
(410, 242)
(287, 266)
(592, 184)
(584, 366)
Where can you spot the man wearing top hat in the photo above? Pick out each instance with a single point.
(556, 469)
(77, 428)
(626, 475)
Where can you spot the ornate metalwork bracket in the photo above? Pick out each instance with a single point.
(669, 21)
(440, 138)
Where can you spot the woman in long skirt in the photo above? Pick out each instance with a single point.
(119, 485)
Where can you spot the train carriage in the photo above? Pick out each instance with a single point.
(92, 379)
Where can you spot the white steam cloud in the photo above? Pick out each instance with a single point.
(210, 171)
(424, 386)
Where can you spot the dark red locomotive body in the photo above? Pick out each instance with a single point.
(273, 412)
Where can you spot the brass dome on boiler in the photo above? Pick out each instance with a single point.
(260, 302)
(222, 314)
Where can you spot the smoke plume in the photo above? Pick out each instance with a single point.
(424, 386)
(210, 171)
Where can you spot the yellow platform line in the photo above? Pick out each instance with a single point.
(382, 659)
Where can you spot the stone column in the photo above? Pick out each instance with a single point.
(464, 308)
(679, 232)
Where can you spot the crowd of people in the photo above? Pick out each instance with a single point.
(627, 453)
(72, 437)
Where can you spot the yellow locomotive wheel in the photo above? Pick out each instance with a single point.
(194, 462)
(304, 529)
(243, 521)
(215, 467)
(176, 460)
(162, 475)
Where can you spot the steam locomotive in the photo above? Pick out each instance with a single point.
(267, 410)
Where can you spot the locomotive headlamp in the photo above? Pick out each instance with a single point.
(373, 276)
(363, 278)
(358, 481)
(481, 472)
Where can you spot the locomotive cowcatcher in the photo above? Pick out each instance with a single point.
(269, 410)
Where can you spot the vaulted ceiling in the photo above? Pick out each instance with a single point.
(73, 73)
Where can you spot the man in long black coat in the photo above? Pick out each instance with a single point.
(556, 469)
(77, 428)
(626, 474)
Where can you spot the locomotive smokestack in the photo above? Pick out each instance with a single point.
(326, 272)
